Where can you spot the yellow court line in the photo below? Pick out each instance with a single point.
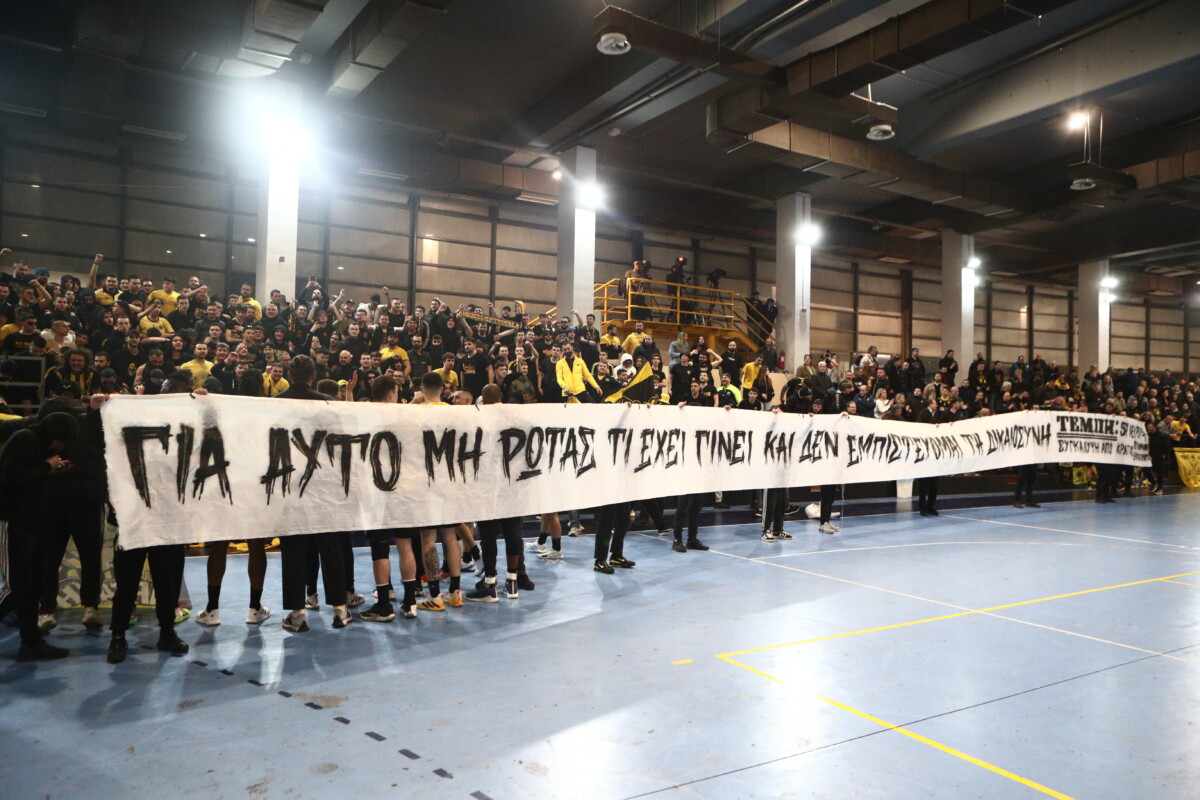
(1012, 776)
(1181, 583)
(681, 661)
(964, 613)
(1076, 533)
(748, 668)
(939, 544)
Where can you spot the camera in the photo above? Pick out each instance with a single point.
(714, 278)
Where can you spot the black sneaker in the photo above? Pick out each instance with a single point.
(117, 649)
(511, 589)
(380, 612)
(42, 651)
(523, 582)
(485, 593)
(933, 512)
(678, 547)
(696, 544)
(787, 512)
(170, 643)
(600, 566)
(1034, 505)
(622, 562)
(1018, 504)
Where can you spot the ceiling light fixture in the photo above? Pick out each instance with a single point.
(340, 266)
(168, 252)
(35, 186)
(251, 240)
(1082, 185)
(557, 174)
(1109, 282)
(881, 132)
(613, 44)
(973, 262)
(24, 235)
(537, 197)
(204, 236)
(380, 173)
(1077, 121)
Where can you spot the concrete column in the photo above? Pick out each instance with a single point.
(1094, 315)
(793, 276)
(577, 203)
(958, 297)
(279, 192)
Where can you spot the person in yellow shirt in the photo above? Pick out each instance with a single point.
(634, 340)
(448, 375)
(750, 372)
(166, 295)
(200, 367)
(610, 344)
(274, 384)
(247, 299)
(431, 393)
(574, 376)
(153, 317)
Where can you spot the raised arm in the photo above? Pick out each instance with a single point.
(92, 274)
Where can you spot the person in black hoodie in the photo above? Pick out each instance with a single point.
(1160, 457)
(75, 510)
(29, 458)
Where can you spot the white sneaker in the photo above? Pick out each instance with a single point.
(575, 530)
(536, 546)
(478, 566)
(342, 617)
(257, 615)
(312, 602)
(767, 536)
(47, 622)
(210, 618)
(552, 555)
(354, 600)
(828, 527)
(784, 536)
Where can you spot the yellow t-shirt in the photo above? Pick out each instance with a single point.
(170, 300)
(104, 298)
(388, 352)
(750, 374)
(12, 327)
(449, 377)
(164, 327)
(435, 403)
(200, 371)
(632, 341)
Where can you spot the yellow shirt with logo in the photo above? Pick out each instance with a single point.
(164, 327)
(170, 300)
(200, 370)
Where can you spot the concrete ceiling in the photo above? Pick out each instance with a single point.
(454, 89)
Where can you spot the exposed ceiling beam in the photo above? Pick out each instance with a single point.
(1141, 49)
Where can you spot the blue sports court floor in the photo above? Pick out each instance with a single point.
(989, 653)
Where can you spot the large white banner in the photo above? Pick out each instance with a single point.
(201, 468)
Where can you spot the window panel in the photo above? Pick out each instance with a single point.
(1128, 313)
(527, 263)
(366, 270)
(441, 226)
(173, 219)
(371, 216)
(527, 239)
(432, 251)
(153, 247)
(169, 187)
(49, 201)
(35, 166)
(534, 291)
(363, 243)
(72, 239)
(737, 266)
(619, 251)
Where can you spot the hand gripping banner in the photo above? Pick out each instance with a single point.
(188, 468)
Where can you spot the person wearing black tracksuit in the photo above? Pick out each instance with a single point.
(612, 523)
(927, 488)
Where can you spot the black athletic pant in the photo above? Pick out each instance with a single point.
(774, 504)
(654, 510)
(166, 572)
(1026, 477)
(24, 574)
(83, 522)
(927, 490)
(687, 513)
(828, 493)
(1106, 481)
(612, 523)
(509, 529)
(294, 553)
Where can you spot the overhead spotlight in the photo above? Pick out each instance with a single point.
(1109, 282)
(613, 44)
(340, 266)
(35, 186)
(1082, 185)
(881, 132)
(168, 252)
(973, 262)
(808, 234)
(204, 236)
(557, 174)
(251, 240)
(24, 235)
(1077, 120)
(589, 195)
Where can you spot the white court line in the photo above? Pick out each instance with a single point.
(958, 607)
(936, 544)
(1076, 533)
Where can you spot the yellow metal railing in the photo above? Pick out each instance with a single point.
(682, 306)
